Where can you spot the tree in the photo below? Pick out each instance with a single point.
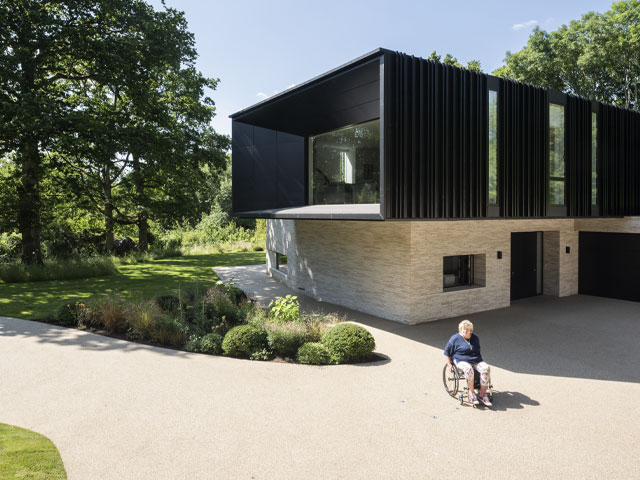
(449, 59)
(51, 50)
(596, 57)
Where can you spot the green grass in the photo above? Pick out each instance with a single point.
(36, 300)
(26, 454)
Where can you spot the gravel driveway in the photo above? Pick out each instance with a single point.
(566, 373)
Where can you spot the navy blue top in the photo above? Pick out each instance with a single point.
(462, 350)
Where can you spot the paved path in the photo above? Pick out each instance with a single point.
(566, 373)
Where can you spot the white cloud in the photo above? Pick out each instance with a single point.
(261, 95)
(520, 26)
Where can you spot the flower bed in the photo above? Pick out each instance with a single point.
(222, 320)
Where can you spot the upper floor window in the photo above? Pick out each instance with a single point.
(594, 158)
(555, 171)
(344, 165)
(493, 147)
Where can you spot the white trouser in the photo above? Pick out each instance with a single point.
(483, 369)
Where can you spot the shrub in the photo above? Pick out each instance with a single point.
(314, 353)
(14, 272)
(110, 312)
(193, 344)
(170, 331)
(262, 355)
(285, 309)
(168, 303)
(218, 306)
(349, 343)
(243, 341)
(235, 294)
(143, 318)
(211, 344)
(317, 326)
(71, 314)
(285, 339)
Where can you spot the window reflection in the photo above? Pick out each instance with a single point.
(344, 165)
(556, 155)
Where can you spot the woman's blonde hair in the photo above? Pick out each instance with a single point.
(465, 324)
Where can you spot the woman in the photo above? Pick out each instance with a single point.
(463, 349)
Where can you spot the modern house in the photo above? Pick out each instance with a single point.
(414, 191)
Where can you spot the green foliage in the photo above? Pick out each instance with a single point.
(13, 272)
(170, 331)
(143, 316)
(314, 353)
(71, 314)
(596, 57)
(243, 341)
(193, 344)
(263, 355)
(349, 343)
(285, 338)
(168, 303)
(285, 309)
(211, 343)
(29, 455)
(9, 246)
(473, 65)
(221, 309)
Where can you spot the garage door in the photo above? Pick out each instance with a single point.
(610, 265)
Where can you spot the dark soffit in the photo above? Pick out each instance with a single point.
(292, 111)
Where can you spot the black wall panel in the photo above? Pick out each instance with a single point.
(578, 185)
(522, 149)
(435, 140)
(609, 265)
(268, 169)
(619, 153)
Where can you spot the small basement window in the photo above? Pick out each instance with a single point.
(463, 271)
(281, 262)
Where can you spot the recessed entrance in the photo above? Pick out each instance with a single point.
(526, 268)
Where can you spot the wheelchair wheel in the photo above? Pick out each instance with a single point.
(450, 380)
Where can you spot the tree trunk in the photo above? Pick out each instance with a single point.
(108, 211)
(29, 203)
(143, 215)
(143, 231)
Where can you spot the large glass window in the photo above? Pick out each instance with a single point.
(594, 158)
(493, 147)
(344, 165)
(556, 155)
(457, 271)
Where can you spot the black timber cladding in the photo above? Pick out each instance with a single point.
(436, 152)
(435, 140)
(619, 154)
(435, 143)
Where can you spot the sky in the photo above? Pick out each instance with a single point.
(259, 48)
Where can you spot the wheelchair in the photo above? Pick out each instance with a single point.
(453, 379)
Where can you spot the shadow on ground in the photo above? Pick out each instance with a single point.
(46, 333)
(578, 336)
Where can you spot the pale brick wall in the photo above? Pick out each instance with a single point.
(393, 269)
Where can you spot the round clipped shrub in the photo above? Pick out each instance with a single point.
(211, 344)
(243, 341)
(314, 353)
(349, 343)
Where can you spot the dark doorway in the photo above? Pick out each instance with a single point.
(524, 265)
(609, 265)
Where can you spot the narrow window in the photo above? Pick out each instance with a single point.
(556, 156)
(281, 262)
(594, 159)
(493, 148)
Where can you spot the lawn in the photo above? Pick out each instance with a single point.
(36, 300)
(26, 454)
